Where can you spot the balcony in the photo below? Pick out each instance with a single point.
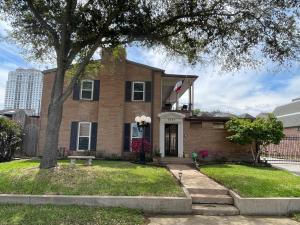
(182, 100)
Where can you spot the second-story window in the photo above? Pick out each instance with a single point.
(138, 91)
(87, 90)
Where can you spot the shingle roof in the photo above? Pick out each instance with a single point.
(289, 114)
(246, 116)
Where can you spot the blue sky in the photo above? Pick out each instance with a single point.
(249, 90)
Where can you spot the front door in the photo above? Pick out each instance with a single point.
(171, 140)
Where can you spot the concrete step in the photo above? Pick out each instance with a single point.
(214, 210)
(175, 160)
(212, 199)
(208, 191)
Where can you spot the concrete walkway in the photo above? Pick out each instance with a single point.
(219, 220)
(291, 167)
(193, 179)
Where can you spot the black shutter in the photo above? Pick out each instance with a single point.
(76, 91)
(96, 90)
(73, 136)
(94, 136)
(126, 137)
(128, 91)
(148, 91)
(148, 133)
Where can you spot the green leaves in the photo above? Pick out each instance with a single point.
(10, 138)
(262, 131)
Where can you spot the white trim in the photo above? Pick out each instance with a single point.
(132, 91)
(290, 114)
(90, 133)
(171, 118)
(92, 90)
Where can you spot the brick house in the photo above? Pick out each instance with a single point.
(289, 115)
(99, 117)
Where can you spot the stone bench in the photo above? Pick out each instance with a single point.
(88, 159)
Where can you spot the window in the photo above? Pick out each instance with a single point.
(84, 136)
(138, 91)
(87, 90)
(135, 132)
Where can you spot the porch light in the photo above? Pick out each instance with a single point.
(142, 123)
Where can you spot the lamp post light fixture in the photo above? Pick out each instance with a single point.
(142, 123)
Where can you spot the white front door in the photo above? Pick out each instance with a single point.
(171, 144)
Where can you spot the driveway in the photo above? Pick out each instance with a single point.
(292, 167)
(220, 220)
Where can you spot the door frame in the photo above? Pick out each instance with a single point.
(171, 118)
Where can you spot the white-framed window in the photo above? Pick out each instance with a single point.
(138, 91)
(84, 136)
(135, 132)
(87, 89)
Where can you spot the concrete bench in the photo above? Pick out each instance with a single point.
(88, 159)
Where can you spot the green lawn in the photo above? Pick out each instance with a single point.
(67, 215)
(250, 181)
(103, 178)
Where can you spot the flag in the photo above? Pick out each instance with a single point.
(178, 86)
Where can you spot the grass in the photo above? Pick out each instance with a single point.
(103, 178)
(297, 217)
(250, 181)
(67, 215)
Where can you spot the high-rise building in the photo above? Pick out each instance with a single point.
(24, 90)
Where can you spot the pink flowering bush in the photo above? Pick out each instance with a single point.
(136, 145)
(203, 154)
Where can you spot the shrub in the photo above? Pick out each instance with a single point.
(10, 139)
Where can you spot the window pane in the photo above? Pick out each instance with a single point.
(138, 96)
(138, 87)
(84, 129)
(83, 143)
(87, 85)
(136, 133)
(86, 94)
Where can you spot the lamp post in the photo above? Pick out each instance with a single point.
(142, 123)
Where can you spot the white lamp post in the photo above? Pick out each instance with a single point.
(142, 123)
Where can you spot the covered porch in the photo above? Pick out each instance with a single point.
(183, 98)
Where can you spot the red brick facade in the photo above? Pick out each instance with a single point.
(112, 111)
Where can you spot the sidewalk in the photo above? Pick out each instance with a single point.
(220, 220)
(291, 167)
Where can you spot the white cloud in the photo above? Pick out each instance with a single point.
(248, 91)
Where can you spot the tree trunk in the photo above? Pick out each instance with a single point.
(49, 157)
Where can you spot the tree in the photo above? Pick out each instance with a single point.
(223, 31)
(10, 139)
(260, 132)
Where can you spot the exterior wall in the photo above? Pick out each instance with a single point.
(203, 136)
(110, 112)
(293, 131)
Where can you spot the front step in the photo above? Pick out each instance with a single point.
(207, 191)
(212, 199)
(214, 210)
(175, 160)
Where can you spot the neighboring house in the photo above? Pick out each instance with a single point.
(30, 125)
(289, 115)
(99, 117)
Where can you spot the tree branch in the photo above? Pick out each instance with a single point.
(44, 23)
(79, 71)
